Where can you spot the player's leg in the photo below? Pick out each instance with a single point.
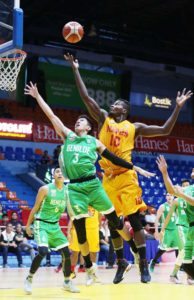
(161, 250)
(179, 242)
(66, 267)
(188, 265)
(101, 202)
(80, 228)
(58, 242)
(74, 247)
(41, 237)
(140, 242)
(92, 234)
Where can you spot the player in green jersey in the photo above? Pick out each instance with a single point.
(78, 156)
(178, 206)
(51, 202)
(188, 195)
(170, 239)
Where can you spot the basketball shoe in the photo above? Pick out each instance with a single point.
(144, 272)
(123, 267)
(70, 287)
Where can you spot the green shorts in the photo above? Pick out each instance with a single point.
(49, 235)
(189, 246)
(182, 231)
(170, 240)
(88, 193)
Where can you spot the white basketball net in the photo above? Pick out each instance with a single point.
(10, 66)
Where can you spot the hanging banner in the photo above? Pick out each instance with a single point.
(61, 89)
(165, 145)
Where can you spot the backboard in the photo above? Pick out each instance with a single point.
(11, 26)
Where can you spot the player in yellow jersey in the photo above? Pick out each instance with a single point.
(118, 134)
(92, 233)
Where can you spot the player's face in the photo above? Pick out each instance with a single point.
(186, 183)
(58, 176)
(117, 108)
(169, 198)
(81, 125)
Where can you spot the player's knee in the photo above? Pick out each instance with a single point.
(80, 228)
(65, 253)
(115, 222)
(113, 233)
(135, 222)
(42, 251)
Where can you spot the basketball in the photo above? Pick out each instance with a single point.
(73, 32)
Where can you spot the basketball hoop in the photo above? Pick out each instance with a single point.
(10, 65)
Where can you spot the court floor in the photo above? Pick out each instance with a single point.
(48, 285)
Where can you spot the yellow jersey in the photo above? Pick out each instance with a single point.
(119, 138)
(93, 220)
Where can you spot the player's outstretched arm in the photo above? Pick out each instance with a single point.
(162, 166)
(60, 129)
(154, 130)
(158, 216)
(167, 219)
(103, 151)
(180, 193)
(92, 106)
(42, 192)
(143, 172)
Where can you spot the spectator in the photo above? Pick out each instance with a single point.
(56, 153)
(14, 219)
(45, 159)
(106, 246)
(1, 212)
(150, 218)
(22, 242)
(5, 219)
(8, 245)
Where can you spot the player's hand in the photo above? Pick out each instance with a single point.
(31, 90)
(74, 62)
(178, 191)
(162, 165)
(143, 172)
(29, 231)
(182, 97)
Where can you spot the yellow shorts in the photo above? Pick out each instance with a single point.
(124, 192)
(92, 238)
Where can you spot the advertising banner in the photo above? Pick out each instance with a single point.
(61, 89)
(165, 145)
(15, 129)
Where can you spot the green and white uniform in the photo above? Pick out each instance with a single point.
(189, 245)
(47, 231)
(77, 160)
(182, 222)
(171, 238)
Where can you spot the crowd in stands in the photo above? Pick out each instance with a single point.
(13, 238)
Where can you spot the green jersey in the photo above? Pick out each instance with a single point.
(189, 190)
(78, 156)
(172, 223)
(53, 205)
(181, 214)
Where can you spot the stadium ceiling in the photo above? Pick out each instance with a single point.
(155, 30)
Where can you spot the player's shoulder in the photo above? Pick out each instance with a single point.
(44, 189)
